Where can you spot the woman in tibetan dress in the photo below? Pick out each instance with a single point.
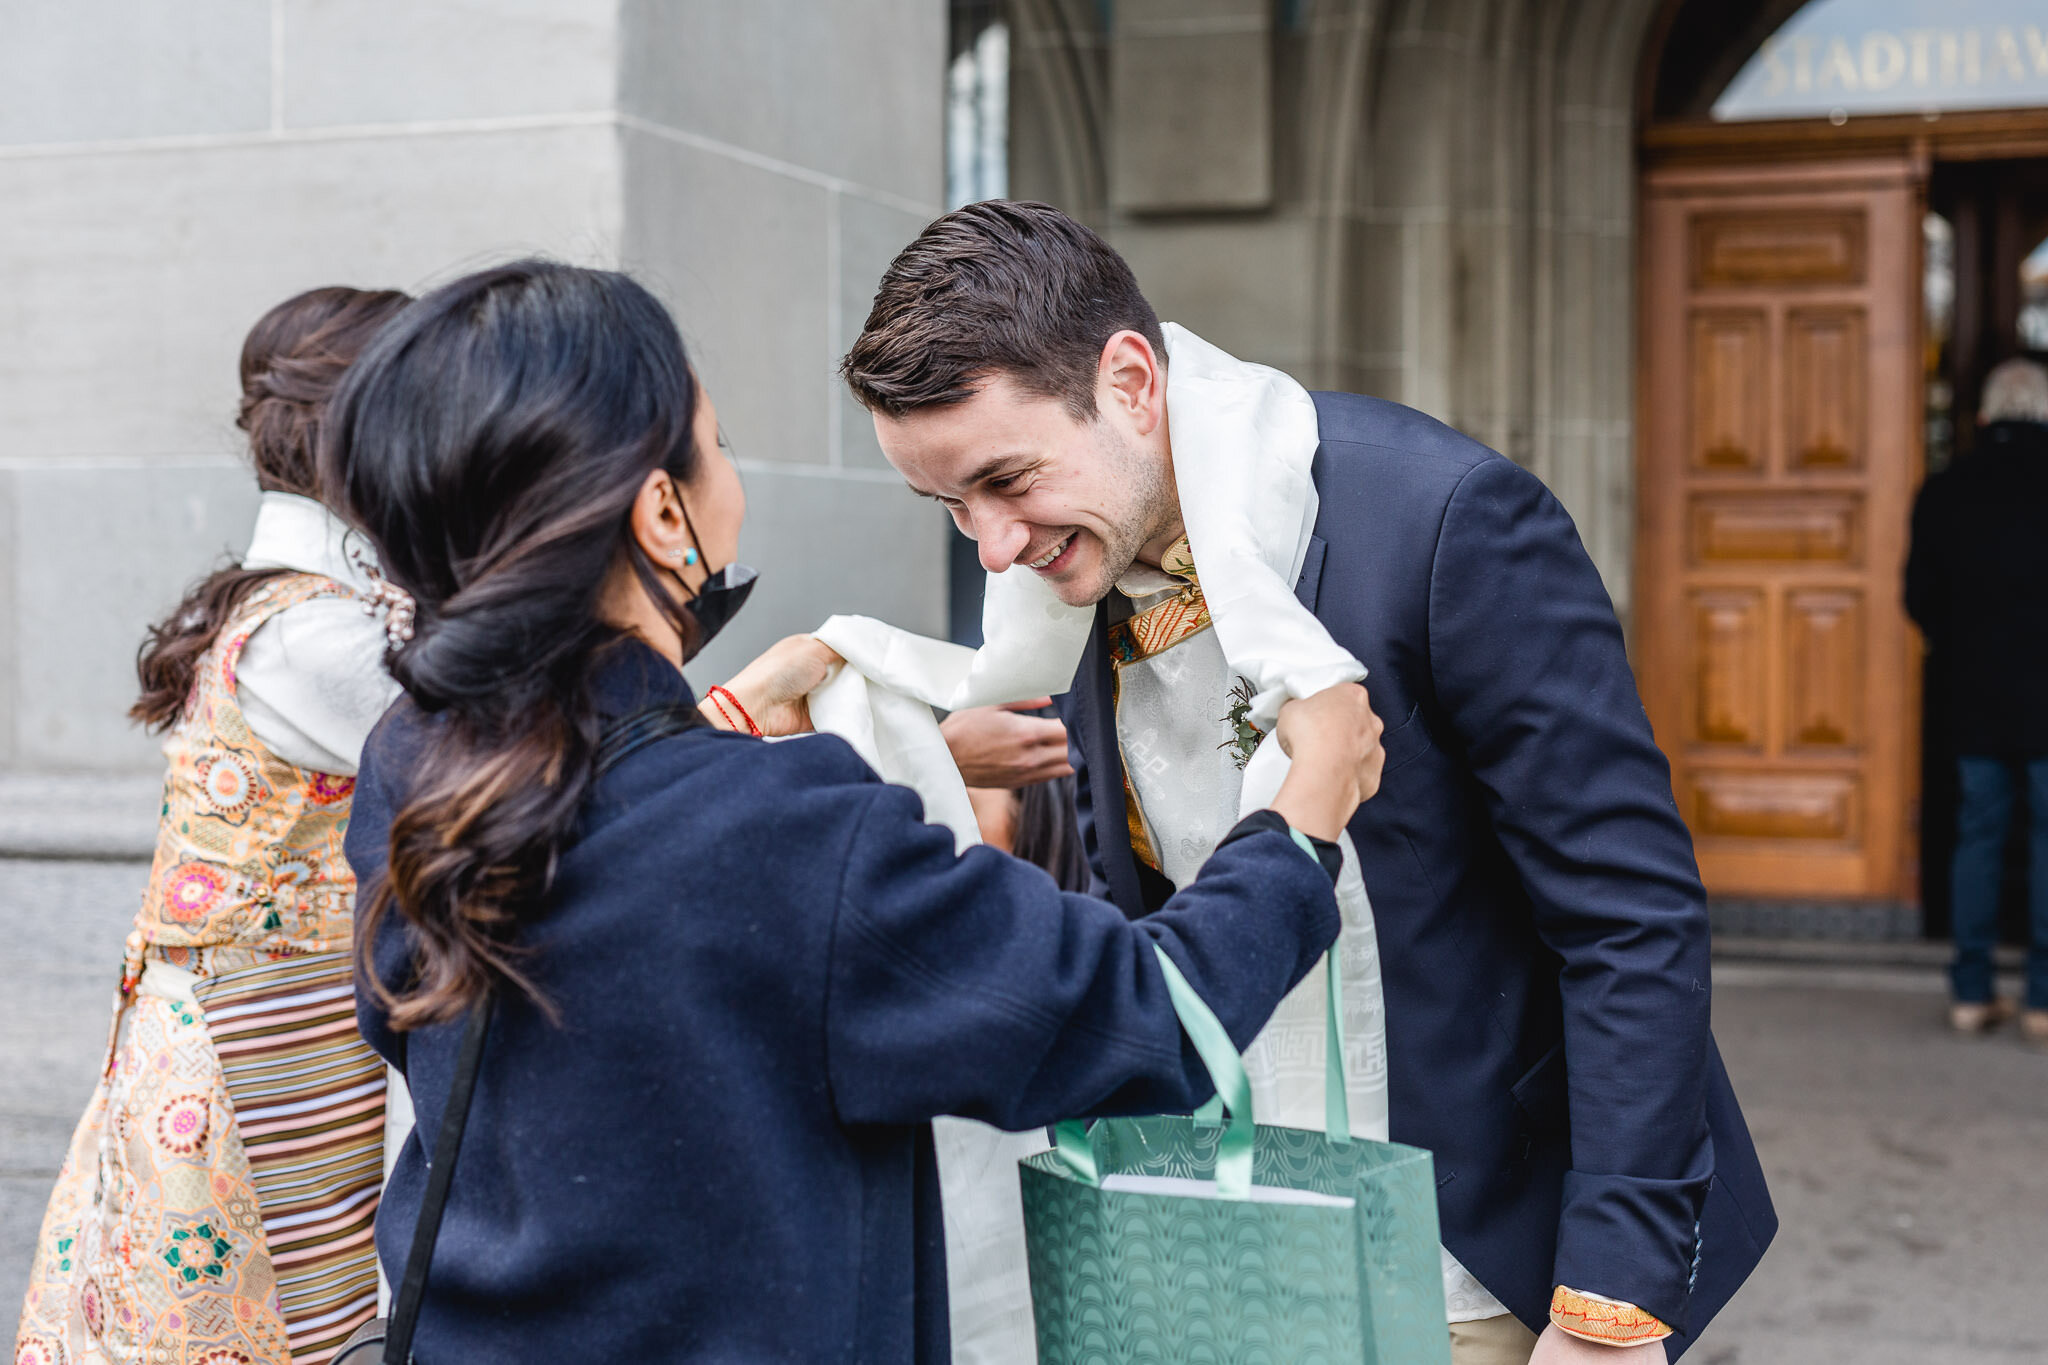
(215, 1207)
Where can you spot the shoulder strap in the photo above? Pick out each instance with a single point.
(621, 739)
(628, 735)
(405, 1309)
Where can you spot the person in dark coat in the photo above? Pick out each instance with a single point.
(729, 982)
(1541, 925)
(1977, 584)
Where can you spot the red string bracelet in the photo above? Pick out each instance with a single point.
(718, 690)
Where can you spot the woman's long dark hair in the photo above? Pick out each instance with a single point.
(292, 360)
(1048, 835)
(491, 444)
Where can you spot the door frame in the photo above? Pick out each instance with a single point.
(1959, 135)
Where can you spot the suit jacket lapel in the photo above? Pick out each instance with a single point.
(1095, 718)
(1310, 585)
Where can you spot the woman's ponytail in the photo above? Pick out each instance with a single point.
(491, 444)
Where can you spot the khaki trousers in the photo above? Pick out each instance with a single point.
(1492, 1341)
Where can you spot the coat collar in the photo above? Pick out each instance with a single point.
(300, 534)
(633, 676)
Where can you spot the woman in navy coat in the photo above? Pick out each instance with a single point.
(731, 981)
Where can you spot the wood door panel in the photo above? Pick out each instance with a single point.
(1778, 445)
(1825, 359)
(1729, 665)
(1773, 806)
(1812, 247)
(1777, 528)
(1729, 421)
(1824, 663)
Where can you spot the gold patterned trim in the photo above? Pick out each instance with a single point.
(1151, 632)
(1608, 1321)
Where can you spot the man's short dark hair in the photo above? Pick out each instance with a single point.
(1000, 287)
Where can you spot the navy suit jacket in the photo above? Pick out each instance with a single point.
(1541, 924)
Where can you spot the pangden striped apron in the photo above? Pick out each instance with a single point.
(216, 1204)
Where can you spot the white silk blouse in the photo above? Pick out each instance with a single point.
(311, 681)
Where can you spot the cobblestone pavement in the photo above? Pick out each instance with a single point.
(1910, 1167)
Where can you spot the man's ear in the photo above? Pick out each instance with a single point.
(1131, 379)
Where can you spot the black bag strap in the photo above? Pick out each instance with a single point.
(405, 1309)
(621, 739)
(628, 735)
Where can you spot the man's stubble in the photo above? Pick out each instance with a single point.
(1145, 507)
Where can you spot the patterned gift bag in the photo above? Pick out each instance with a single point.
(1183, 1240)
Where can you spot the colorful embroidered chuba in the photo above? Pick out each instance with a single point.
(216, 1204)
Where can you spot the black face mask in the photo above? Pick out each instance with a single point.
(719, 599)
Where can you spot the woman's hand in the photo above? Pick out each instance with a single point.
(773, 688)
(996, 746)
(1334, 740)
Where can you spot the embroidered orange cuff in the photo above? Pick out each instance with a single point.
(1611, 1322)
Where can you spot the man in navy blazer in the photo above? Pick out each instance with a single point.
(1541, 924)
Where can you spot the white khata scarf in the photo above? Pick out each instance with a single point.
(1243, 438)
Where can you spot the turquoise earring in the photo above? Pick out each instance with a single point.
(690, 556)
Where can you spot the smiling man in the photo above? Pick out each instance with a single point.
(1540, 921)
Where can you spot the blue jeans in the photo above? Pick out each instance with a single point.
(1983, 823)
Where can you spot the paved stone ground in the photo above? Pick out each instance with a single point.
(1910, 1170)
(1910, 1167)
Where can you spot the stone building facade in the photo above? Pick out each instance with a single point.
(1443, 202)
(1425, 200)
(168, 172)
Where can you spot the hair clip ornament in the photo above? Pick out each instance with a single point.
(382, 595)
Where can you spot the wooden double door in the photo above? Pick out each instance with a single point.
(1779, 441)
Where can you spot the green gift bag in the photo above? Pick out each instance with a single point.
(1182, 1241)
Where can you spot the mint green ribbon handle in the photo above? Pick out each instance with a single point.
(1071, 1144)
(1336, 1102)
(1336, 1099)
(1226, 1070)
(1075, 1150)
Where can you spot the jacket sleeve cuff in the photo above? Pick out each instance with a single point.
(1637, 1239)
(1327, 855)
(1610, 1322)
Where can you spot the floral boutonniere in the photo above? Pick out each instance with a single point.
(1244, 736)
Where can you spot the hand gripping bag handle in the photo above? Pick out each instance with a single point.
(1076, 1150)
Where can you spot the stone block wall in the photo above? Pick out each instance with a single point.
(777, 155)
(1436, 206)
(169, 172)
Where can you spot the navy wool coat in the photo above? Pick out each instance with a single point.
(770, 974)
(1542, 929)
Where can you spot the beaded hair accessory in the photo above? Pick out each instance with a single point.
(382, 595)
